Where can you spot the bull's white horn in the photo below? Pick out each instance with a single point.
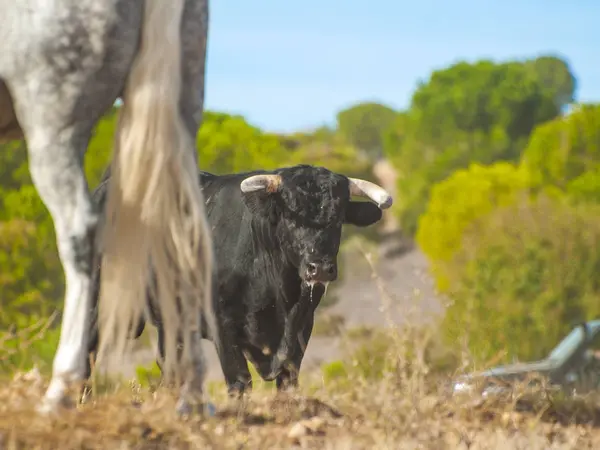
(270, 183)
(364, 188)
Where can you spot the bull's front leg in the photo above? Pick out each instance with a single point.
(233, 362)
(294, 321)
(288, 377)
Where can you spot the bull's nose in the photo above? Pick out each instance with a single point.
(324, 272)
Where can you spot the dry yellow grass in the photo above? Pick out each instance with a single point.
(390, 392)
(401, 404)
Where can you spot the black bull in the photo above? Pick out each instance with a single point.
(276, 236)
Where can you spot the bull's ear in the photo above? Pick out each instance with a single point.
(362, 214)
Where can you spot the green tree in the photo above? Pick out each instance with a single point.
(523, 278)
(228, 143)
(556, 77)
(364, 126)
(483, 97)
(566, 148)
(460, 201)
(482, 112)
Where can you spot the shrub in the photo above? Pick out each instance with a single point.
(25, 347)
(585, 188)
(459, 200)
(524, 277)
(565, 148)
(30, 277)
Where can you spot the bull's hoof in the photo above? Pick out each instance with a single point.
(276, 368)
(238, 389)
(272, 375)
(187, 409)
(286, 385)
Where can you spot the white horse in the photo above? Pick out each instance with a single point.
(63, 63)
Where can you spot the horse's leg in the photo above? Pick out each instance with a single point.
(61, 90)
(55, 151)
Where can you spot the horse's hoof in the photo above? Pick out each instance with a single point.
(50, 405)
(210, 409)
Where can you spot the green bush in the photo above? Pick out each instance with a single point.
(228, 143)
(566, 148)
(524, 277)
(585, 188)
(22, 348)
(148, 376)
(458, 201)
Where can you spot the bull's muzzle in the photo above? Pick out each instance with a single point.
(320, 272)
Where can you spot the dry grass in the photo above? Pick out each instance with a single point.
(390, 392)
(390, 400)
(328, 324)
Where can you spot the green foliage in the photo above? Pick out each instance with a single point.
(555, 76)
(481, 97)
(333, 371)
(414, 189)
(458, 201)
(330, 151)
(99, 150)
(566, 148)
(28, 274)
(148, 377)
(364, 126)
(467, 113)
(585, 188)
(22, 348)
(230, 144)
(524, 277)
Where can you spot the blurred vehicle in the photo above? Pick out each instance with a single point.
(572, 366)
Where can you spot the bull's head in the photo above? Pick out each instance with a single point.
(308, 206)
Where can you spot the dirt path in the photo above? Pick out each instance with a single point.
(403, 285)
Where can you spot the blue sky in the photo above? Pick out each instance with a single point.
(290, 65)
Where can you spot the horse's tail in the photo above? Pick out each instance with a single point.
(155, 208)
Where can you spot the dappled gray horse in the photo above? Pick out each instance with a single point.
(63, 63)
